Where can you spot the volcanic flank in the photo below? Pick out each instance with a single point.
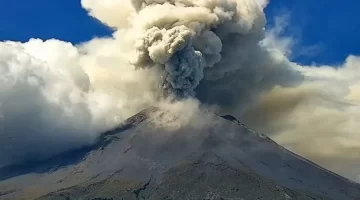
(158, 155)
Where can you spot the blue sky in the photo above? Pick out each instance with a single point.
(61, 19)
(330, 27)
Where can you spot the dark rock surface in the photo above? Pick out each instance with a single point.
(153, 155)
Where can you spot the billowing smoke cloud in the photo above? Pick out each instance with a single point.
(56, 96)
(318, 118)
(183, 37)
(189, 41)
(48, 103)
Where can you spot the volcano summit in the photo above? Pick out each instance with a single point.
(157, 154)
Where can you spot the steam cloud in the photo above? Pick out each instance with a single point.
(56, 96)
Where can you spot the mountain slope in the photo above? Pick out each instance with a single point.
(157, 155)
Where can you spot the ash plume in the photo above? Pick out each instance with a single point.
(183, 38)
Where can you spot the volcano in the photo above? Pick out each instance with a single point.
(153, 155)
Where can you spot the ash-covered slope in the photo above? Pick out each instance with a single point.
(156, 155)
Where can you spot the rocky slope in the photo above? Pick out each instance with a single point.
(157, 155)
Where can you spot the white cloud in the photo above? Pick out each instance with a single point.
(263, 3)
(316, 118)
(275, 37)
(49, 104)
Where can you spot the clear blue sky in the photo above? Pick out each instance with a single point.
(331, 25)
